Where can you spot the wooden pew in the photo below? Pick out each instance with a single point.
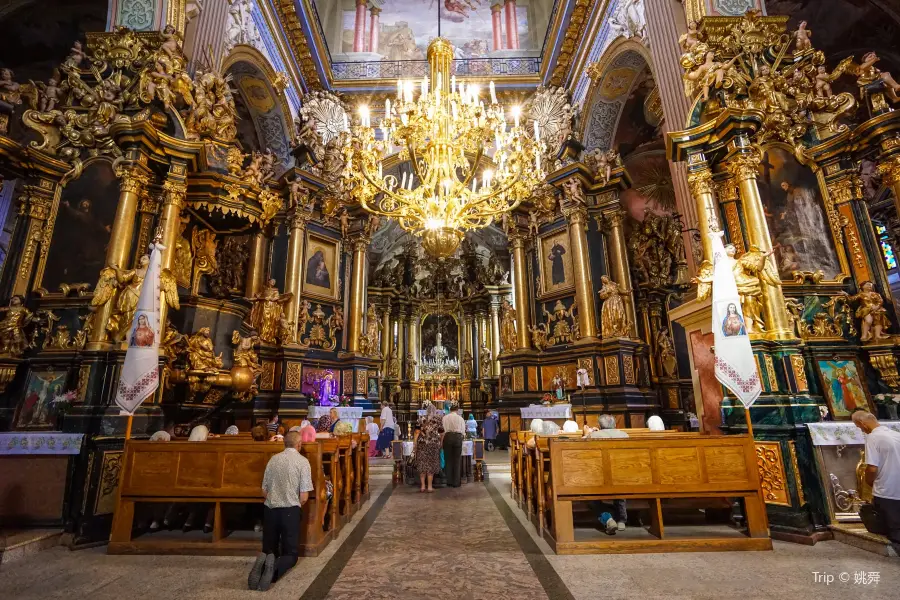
(331, 461)
(213, 472)
(345, 505)
(655, 468)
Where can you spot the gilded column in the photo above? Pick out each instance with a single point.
(468, 333)
(523, 302)
(174, 195)
(701, 184)
(482, 334)
(726, 191)
(403, 340)
(495, 333)
(256, 266)
(133, 179)
(293, 277)
(415, 338)
(618, 264)
(744, 166)
(357, 293)
(890, 175)
(387, 336)
(581, 262)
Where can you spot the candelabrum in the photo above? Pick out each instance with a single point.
(469, 165)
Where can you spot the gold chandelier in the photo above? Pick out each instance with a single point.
(447, 134)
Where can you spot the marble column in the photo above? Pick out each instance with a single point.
(174, 195)
(359, 27)
(701, 184)
(581, 264)
(619, 267)
(293, 277)
(744, 165)
(374, 29)
(512, 26)
(495, 334)
(132, 181)
(665, 24)
(496, 26)
(523, 302)
(357, 293)
(256, 266)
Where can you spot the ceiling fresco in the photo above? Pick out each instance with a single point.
(485, 43)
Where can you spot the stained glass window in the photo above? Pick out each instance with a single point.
(889, 259)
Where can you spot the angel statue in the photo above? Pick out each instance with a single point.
(201, 354)
(539, 336)
(665, 351)
(871, 312)
(13, 341)
(394, 364)
(468, 365)
(268, 312)
(708, 74)
(507, 326)
(127, 283)
(369, 341)
(751, 271)
(613, 320)
(245, 352)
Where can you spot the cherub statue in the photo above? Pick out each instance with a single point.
(303, 316)
(534, 225)
(245, 351)
(171, 42)
(868, 73)
(345, 222)
(871, 312)
(50, 94)
(689, 40)
(601, 162)
(573, 191)
(336, 320)
(486, 362)
(10, 96)
(823, 83)
(201, 354)
(13, 341)
(752, 271)
(613, 318)
(539, 336)
(298, 194)
(268, 312)
(708, 74)
(76, 56)
(801, 36)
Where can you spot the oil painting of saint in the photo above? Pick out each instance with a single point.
(143, 335)
(317, 270)
(556, 263)
(842, 387)
(733, 323)
(796, 216)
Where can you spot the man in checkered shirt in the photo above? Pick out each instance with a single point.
(286, 486)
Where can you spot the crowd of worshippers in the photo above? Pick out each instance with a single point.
(611, 515)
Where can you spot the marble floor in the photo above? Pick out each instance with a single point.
(466, 543)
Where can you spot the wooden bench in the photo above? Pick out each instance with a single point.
(222, 473)
(653, 467)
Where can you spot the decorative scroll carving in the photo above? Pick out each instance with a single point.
(772, 478)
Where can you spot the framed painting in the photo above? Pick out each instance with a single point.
(555, 270)
(321, 269)
(35, 410)
(373, 387)
(797, 216)
(842, 387)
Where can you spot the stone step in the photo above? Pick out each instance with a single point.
(16, 544)
(855, 534)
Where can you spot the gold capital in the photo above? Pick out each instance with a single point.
(890, 170)
(174, 192)
(745, 165)
(700, 182)
(133, 180)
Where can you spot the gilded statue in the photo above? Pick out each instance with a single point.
(752, 271)
(704, 279)
(201, 356)
(507, 326)
(267, 315)
(393, 364)
(468, 365)
(540, 336)
(573, 191)
(125, 287)
(303, 316)
(173, 343)
(559, 318)
(212, 113)
(665, 351)
(231, 256)
(802, 36)
(298, 195)
(867, 73)
(184, 258)
(613, 318)
(369, 341)
(871, 313)
(245, 351)
(657, 252)
(261, 168)
(863, 489)
(706, 73)
(689, 40)
(601, 163)
(345, 222)
(411, 366)
(13, 341)
(10, 96)
(486, 366)
(204, 245)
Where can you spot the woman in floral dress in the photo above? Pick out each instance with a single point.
(428, 441)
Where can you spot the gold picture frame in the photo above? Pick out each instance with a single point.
(321, 268)
(556, 272)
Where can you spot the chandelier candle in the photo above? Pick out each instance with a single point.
(447, 135)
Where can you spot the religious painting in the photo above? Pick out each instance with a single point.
(84, 219)
(732, 321)
(36, 410)
(842, 387)
(321, 269)
(143, 335)
(403, 29)
(373, 387)
(440, 345)
(555, 263)
(795, 213)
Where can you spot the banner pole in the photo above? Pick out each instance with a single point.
(749, 423)
(128, 427)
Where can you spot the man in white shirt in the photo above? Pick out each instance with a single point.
(454, 431)
(286, 486)
(883, 472)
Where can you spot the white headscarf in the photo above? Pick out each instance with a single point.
(232, 430)
(303, 424)
(160, 436)
(537, 425)
(655, 423)
(570, 426)
(199, 434)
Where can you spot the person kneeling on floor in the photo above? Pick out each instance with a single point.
(611, 525)
(286, 486)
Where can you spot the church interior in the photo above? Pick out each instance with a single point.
(674, 220)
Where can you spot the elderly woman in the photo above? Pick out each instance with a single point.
(327, 422)
(428, 441)
(387, 430)
(373, 431)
